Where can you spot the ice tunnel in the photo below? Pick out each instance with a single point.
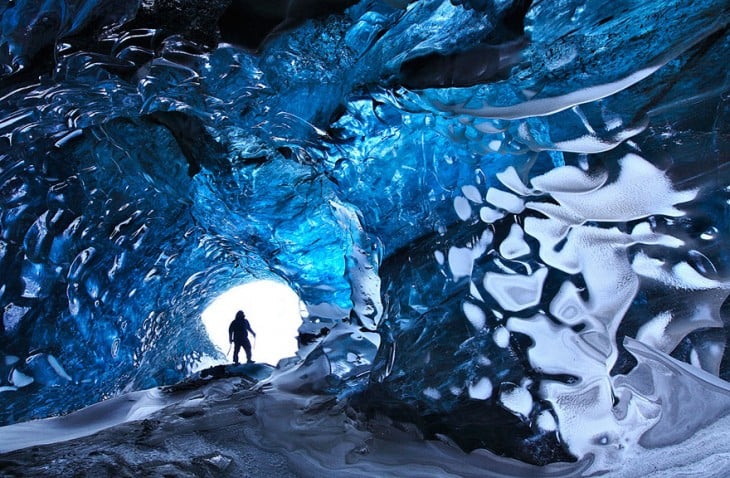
(507, 220)
(273, 310)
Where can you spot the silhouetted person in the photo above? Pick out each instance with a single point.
(238, 335)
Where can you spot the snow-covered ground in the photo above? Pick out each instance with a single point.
(233, 427)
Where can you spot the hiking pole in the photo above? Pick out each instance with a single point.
(229, 349)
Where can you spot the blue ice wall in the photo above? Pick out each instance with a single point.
(510, 214)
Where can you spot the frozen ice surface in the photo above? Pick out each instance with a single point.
(226, 428)
(506, 221)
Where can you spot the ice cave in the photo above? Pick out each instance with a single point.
(501, 228)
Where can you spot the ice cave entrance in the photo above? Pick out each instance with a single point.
(273, 310)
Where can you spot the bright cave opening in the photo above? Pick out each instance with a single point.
(274, 311)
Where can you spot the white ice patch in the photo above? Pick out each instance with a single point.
(511, 179)
(462, 208)
(506, 201)
(567, 305)
(474, 314)
(643, 234)
(548, 106)
(652, 333)
(590, 422)
(13, 315)
(694, 358)
(461, 262)
(472, 194)
(32, 288)
(665, 331)
(439, 256)
(487, 126)
(639, 191)
(514, 244)
(461, 259)
(501, 337)
(593, 252)
(573, 355)
(432, 393)
(516, 292)
(681, 276)
(489, 215)
(58, 368)
(19, 379)
(568, 179)
(481, 390)
(516, 399)
(591, 143)
(475, 292)
(546, 422)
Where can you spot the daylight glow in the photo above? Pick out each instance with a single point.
(271, 307)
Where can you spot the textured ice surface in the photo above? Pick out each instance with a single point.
(507, 219)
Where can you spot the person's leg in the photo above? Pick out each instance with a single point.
(236, 348)
(247, 348)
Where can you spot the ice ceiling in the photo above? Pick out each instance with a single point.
(510, 216)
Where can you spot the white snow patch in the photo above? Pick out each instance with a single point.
(462, 208)
(13, 315)
(568, 179)
(567, 304)
(439, 256)
(681, 276)
(484, 360)
(475, 292)
(481, 390)
(58, 368)
(546, 421)
(640, 190)
(511, 179)
(97, 417)
(514, 245)
(489, 215)
(516, 292)
(475, 314)
(694, 358)
(506, 201)
(472, 194)
(548, 106)
(19, 379)
(517, 400)
(432, 393)
(501, 337)
(461, 259)
(460, 262)
(653, 332)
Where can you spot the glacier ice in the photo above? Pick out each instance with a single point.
(508, 216)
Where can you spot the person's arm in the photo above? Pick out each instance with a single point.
(230, 333)
(248, 325)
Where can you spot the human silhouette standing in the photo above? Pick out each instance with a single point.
(238, 335)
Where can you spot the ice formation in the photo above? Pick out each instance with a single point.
(506, 218)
